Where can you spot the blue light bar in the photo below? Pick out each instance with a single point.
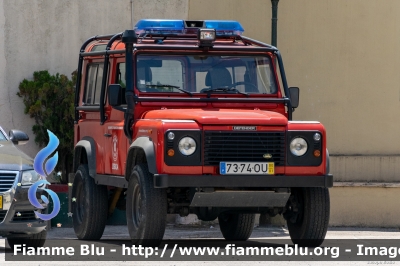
(225, 27)
(223, 24)
(159, 26)
(166, 27)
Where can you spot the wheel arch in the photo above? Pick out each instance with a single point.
(85, 153)
(141, 151)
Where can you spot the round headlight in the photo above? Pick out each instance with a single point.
(187, 146)
(298, 146)
(29, 177)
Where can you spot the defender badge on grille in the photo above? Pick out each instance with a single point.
(245, 128)
(267, 156)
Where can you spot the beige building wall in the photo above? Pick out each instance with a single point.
(160, 9)
(344, 56)
(254, 15)
(47, 35)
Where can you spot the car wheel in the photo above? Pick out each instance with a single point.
(307, 215)
(236, 226)
(89, 205)
(33, 240)
(146, 208)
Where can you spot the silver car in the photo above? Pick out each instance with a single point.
(18, 221)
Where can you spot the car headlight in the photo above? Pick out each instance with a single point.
(298, 146)
(29, 177)
(187, 146)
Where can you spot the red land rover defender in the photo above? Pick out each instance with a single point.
(192, 117)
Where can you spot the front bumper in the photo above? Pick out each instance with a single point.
(242, 181)
(16, 200)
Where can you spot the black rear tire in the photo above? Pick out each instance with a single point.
(146, 208)
(89, 204)
(308, 216)
(33, 240)
(236, 226)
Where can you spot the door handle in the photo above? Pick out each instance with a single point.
(107, 135)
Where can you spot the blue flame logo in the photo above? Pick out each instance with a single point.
(49, 167)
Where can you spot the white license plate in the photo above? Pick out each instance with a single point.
(239, 168)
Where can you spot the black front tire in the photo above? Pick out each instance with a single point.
(89, 206)
(33, 240)
(307, 216)
(236, 226)
(146, 208)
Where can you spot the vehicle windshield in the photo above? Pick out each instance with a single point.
(205, 74)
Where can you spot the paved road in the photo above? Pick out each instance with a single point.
(211, 232)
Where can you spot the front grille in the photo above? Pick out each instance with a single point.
(6, 180)
(227, 146)
(2, 215)
(24, 216)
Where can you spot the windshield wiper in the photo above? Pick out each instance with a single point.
(170, 86)
(209, 91)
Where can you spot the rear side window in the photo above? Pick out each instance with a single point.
(93, 84)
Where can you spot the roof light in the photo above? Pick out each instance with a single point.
(206, 37)
(165, 27)
(225, 27)
(159, 27)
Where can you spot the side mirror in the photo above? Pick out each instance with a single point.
(294, 96)
(115, 95)
(18, 137)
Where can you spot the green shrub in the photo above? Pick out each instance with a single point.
(49, 99)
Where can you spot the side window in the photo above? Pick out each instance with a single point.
(90, 84)
(121, 79)
(98, 84)
(93, 84)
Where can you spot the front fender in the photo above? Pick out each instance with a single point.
(88, 145)
(147, 146)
